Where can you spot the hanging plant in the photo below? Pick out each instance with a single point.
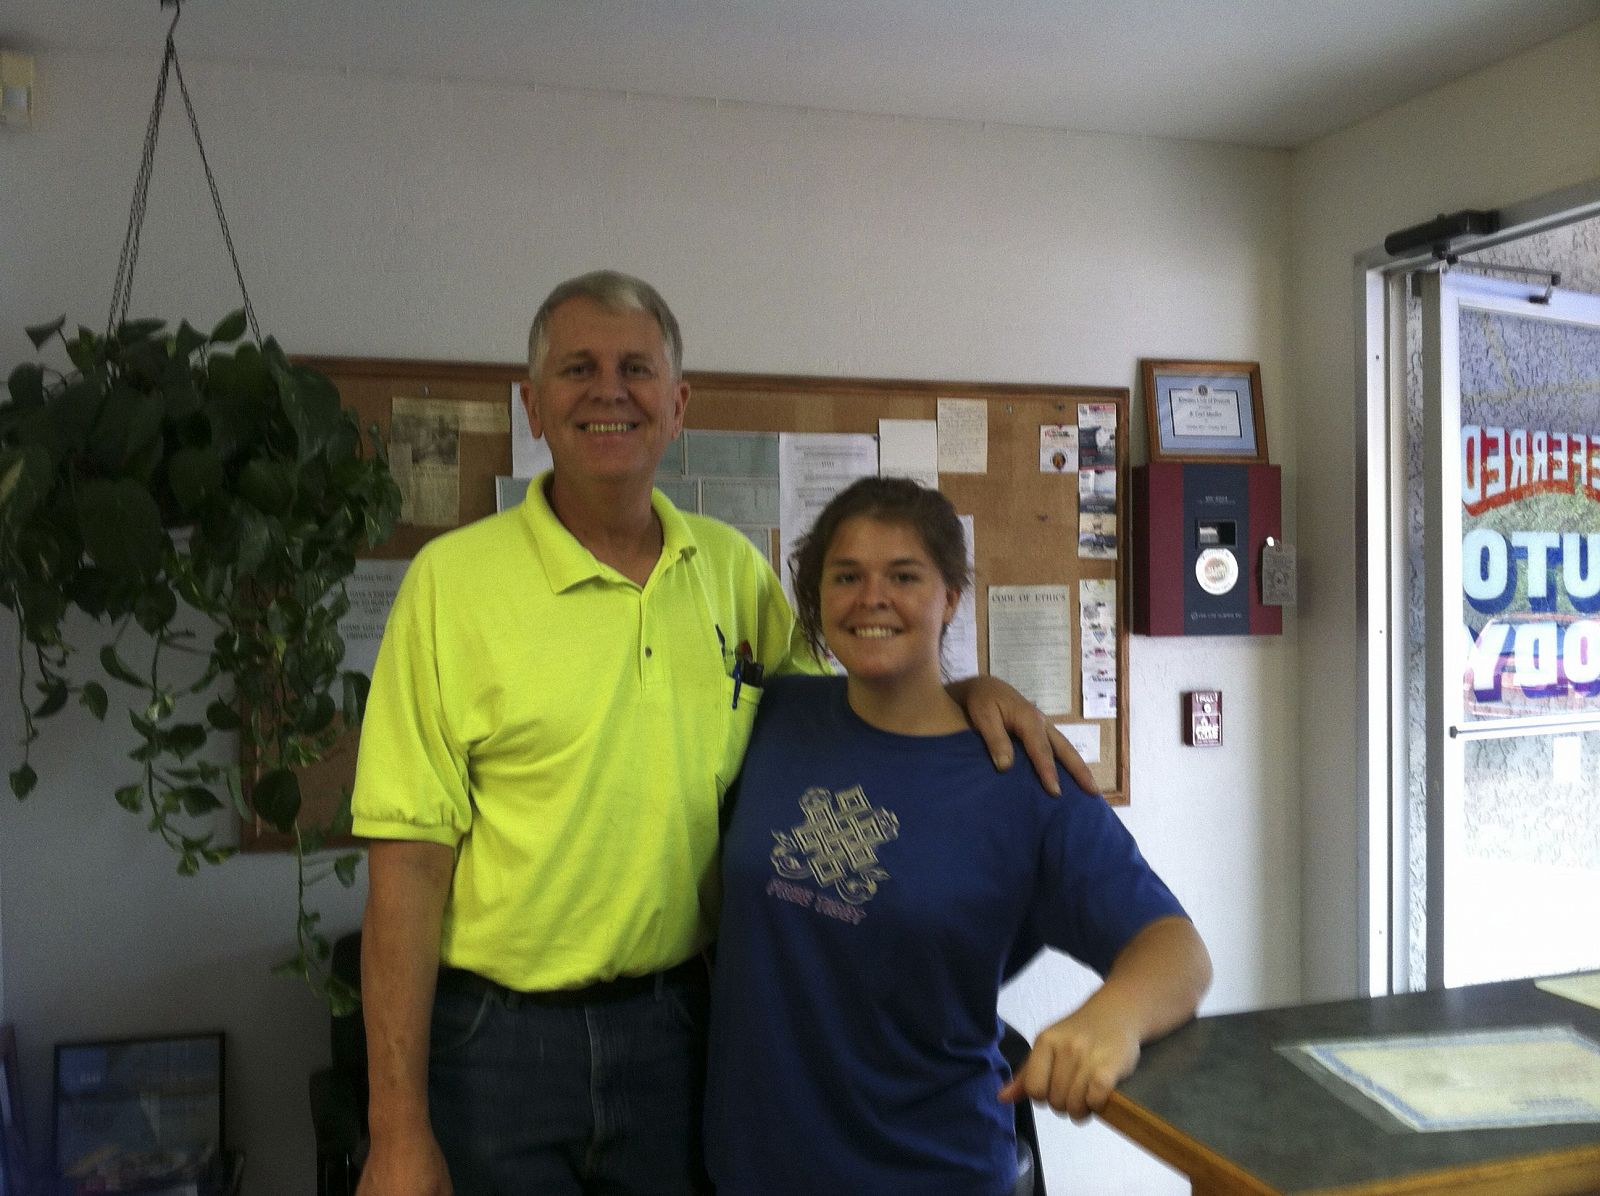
(176, 478)
(184, 470)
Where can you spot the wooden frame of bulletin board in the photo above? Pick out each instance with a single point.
(1025, 512)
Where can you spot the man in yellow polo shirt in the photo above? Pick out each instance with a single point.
(553, 722)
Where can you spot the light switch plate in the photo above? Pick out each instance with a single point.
(1202, 718)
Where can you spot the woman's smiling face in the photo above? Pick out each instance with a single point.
(884, 603)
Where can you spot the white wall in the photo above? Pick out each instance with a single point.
(1515, 131)
(385, 217)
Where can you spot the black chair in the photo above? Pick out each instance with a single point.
(1030, 1164)
(339, 1091)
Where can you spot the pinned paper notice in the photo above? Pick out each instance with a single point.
(812, 468)
(960, 646)
(1084, 738)
(1058, 448)
(909, 448)
(371, 590)
(530, 455)
(1097, 434)
(963, 436)
(1030, 643)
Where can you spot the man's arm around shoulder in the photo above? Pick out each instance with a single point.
(408, 885)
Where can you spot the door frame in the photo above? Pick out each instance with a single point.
(1379, 310)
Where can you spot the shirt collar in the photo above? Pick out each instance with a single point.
(568, 563)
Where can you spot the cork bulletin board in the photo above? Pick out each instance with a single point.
(1027, 527)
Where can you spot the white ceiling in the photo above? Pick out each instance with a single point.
(1254, 72)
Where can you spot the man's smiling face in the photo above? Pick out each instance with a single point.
(605, 399)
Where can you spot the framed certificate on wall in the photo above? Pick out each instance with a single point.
(1204, 411)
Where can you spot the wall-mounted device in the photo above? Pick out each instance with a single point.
(1199, 533)
(1440, 235)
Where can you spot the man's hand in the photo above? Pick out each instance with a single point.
(1076, 1063)
(409, 1166)
(997, 711)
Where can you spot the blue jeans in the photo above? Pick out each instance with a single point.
(551, 1094)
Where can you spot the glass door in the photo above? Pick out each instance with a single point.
(1511, 449)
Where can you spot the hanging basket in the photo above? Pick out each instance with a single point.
(175, 478)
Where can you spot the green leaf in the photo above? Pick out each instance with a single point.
(26, 385)
(268, 485)
(86, 350)
(311, 402)
(130, 331)
(229, 329)
(93, 591)
(131, 798)
(187, 864)
(184, 739)
(186, 340)
(155, 607)
(343, 1000)
(112, 664)
(317, 715)
(121, 528)
(194, 473)
(55, 697)
(276, 797)
(73, 411)
(345, 868)
(356, 688)
(23, 780)
(43, 607)
(40, 333)
(180, 397)
(255, 541)
(129, 422)
(198, 800)
(93, 699)
(222, 716)
(26, 475)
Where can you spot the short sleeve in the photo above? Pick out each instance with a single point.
(411, 774)
(1094, 891)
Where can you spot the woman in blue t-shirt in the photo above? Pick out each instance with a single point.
(880, 882)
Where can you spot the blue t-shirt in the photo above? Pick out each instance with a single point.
(878, 889)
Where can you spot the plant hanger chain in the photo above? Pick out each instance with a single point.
(122, 291)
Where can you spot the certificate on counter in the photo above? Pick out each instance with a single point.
(1475, 1080)
(1030, 642)
(1583, 988)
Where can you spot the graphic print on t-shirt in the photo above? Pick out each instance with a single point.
(837, 843)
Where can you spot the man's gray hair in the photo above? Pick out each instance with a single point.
(615, 293)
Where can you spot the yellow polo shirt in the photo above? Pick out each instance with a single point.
(571, 734)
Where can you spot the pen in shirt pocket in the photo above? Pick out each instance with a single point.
(746, 671)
